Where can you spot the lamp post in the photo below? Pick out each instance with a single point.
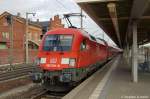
(26, 38)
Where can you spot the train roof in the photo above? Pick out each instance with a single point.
(80, 31)
(94, 39)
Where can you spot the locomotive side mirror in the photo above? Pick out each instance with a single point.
(83, 45)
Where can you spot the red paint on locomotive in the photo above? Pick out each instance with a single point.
(84, 57)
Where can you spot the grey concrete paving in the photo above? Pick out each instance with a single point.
(120, 85)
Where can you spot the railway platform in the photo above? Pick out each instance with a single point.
(120, 85)
(113, 81)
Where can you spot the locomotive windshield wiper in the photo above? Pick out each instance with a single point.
(57, 43)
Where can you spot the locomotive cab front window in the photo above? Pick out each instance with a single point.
(57, 42)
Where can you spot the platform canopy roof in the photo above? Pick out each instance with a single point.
(116, 17)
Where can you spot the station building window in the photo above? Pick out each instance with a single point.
(5, 35)
(3, 45)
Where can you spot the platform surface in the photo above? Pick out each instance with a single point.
(120, 85)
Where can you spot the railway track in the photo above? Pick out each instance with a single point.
(48, 95)
(39, 95)
(18, 72)
(5, 69)
(38, 92)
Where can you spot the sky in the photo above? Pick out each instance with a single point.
(46, 9)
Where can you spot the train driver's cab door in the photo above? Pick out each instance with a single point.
(83, 53)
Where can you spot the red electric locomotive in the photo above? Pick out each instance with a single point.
(67, 55)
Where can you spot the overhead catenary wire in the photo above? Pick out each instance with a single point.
(62, 4)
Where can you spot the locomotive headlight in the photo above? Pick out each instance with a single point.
(72, 62)
(65, 61)
(69, 61)
(43, 60)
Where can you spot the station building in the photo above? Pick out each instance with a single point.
(12, 37)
